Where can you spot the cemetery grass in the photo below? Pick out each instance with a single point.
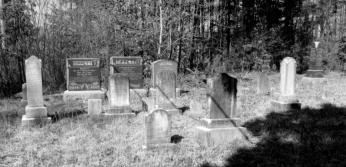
(75, 139)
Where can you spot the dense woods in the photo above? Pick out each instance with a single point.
(201, 35)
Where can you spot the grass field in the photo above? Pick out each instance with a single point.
(314, 136)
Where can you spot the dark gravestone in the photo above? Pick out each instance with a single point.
(83, 74)
(131, 66)
(315, 63)
(221, 126)
(222, 96)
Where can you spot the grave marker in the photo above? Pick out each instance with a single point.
(158, 127)
(94, 106)
(221, 125)
(132, 66)
(35, 112)
(263, 86)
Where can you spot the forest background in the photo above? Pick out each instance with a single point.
(203, 36)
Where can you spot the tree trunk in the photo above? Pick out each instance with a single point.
(161, 29)
(2, 28)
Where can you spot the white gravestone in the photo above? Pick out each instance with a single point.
(158, 127)
(35, 112)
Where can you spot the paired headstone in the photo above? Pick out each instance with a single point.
(158, 127)
(94, 106)
(222, 124)
(132, 66)
(287, 99)
(119, 95)
(164, 75)
(263, 86)
(35, 112)
(83, 79)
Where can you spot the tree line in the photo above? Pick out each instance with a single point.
(201, 35)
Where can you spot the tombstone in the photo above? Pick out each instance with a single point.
(263, 86)
(132, 66)
(119, 95)
(222, 124)
(83, 80)
(24, 91)
(164, 76)
(35, 112)
(94, 106)
(315, 64)
(158, 128)
(287, 99)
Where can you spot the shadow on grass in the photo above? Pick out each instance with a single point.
(60, 111)
(310, 137)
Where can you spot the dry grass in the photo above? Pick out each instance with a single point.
(79, 140)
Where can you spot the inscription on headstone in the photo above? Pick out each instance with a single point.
(83, 74)
(131, 66)
(158, 126)
(162, 65)
(222, 96)
(119, 92)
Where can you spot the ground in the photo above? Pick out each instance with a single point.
(316, 133)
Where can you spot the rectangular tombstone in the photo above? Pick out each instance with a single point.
(162, 65)
(263, 84)
(222, 96)
(132, 66)
(288, 77)
(158, 127)
(119, 93)
(83, 74)
(35, 112)
(165, 90)
(94, 106)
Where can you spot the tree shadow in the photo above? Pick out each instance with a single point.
(309, 137)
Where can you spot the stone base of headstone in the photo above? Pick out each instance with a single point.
(219, 131)
(282, 106)
(119, 115)
(35, 112)
(83, 95)
(31, 122)
(119, 112)
(178, 91)
(314, 73)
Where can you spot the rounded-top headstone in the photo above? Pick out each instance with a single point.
(34, 81)
(288, 76)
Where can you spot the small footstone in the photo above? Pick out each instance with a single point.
(94, 106)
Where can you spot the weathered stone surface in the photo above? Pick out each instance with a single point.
(35, 112)
(288, 77)
(158, 127)
(218, 136)
(263, 86)
(222, 96)
(132, 66)
(162, 65)
(165, 90)
(72, 96)
(119, 94)
(83, 74)
(94, 107)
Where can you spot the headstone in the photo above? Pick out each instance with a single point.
(83, 74)
(288, 77)
(164, 75)
(83, 80)
(162, 65)
(94, 106)
(263, 84)
(287, 100)
(35, 112)
(222, 124)
(158, 127)
(119, 94)
(132, 66)
(315, 64)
